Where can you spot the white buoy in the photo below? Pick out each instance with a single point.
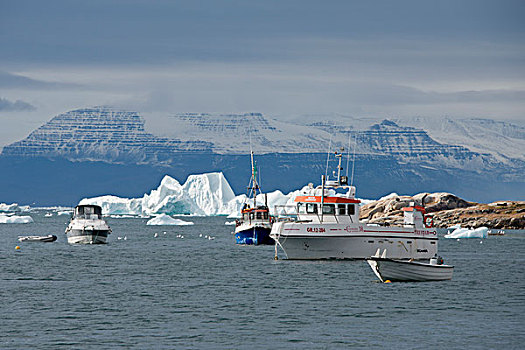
(200, 235)
(156, 235)
(125, 238)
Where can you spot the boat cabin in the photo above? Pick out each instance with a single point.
(414, 216)
(317, 209)
(90, 212)
(257, 214)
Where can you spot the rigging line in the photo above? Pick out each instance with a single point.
(348, 154)
(353, 160)
(328, 157)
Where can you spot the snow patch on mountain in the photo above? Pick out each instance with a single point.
(501, 139)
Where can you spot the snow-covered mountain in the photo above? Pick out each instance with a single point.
(112, 135)
(503, 140)
(100, 133)
(479, 159)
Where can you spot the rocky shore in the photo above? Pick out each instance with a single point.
(447, 210)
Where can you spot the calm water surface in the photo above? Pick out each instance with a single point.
(169, 292)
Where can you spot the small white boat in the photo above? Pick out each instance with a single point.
(87, 226)
(396, 270)
(48, 238)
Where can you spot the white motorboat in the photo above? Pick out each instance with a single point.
(48, 238)
(396, 270)
(87, 226)
(324, 224)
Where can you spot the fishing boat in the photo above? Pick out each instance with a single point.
(396, 270)
(324, 224)
(254, 226)
(48, 238)
(87, 226)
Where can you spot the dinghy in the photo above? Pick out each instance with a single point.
(396, 270)
(48, 238)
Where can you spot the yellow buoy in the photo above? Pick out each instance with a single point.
(388, 281)
(17, 247)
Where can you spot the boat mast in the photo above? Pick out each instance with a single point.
(339, 167)
(255, 185)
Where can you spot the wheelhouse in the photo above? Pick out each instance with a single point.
(327, 209)
(255, 214)
(88, 212)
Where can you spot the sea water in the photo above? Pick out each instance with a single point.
(169, 292)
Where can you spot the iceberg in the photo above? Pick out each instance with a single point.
(201, 195)
(13, 207)
(480, 232)
(14, 219)
(164, 219)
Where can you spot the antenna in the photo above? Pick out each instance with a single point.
(353, 160)
(328, 156)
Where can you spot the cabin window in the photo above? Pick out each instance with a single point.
(301, 208)
(342, 209)
(351, 209)
(259, 215)
(245, 216)
(265, 216)
(251, 216)
(329, 209)
(311, 208)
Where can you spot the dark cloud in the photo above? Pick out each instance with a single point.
(139, 31)
(18, 105)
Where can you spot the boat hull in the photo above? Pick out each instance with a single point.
(76, 236)
(407, 271)
(308, 245)
(254, 236)
(45, 239)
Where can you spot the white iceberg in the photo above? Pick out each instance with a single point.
(206, 194)
(480, 232)
(13, 207)
(164, 219)
(201, 195)
(14, 219)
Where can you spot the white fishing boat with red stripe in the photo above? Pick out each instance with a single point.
(324, 224)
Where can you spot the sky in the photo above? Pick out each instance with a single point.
(281, 58)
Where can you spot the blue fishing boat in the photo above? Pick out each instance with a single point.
(255, 223)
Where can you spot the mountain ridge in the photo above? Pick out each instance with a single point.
(390, 156)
